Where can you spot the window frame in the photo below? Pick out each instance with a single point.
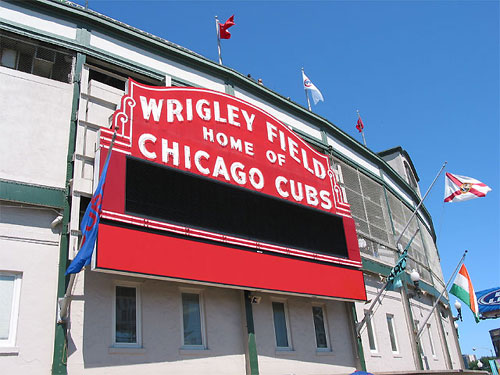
(287, 323)
(390, 324)
(431, 341)
(201, 302)
(412, 181)
(10, 342)
(370, 328)
(420, 343)
(325, 327)
(38, 63)
(138, 316)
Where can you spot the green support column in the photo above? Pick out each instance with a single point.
(252, 345)
(361, 353)
(59, 361)
(417, 348)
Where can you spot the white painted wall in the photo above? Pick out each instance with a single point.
(35, 133)
(90, 336)
(383, 357)
(395, 161)
(304, 358)
(29, 246)
(450, 336)
(36, 20)
(421, 306)
(353, 155)
(127, 51)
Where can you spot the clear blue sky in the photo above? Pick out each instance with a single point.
(424, 75)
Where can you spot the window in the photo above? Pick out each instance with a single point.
(371, 333)
(10, 287)
(410, 177)
(320, 328)
(192, 321)
(419, 341)
(280, 320)
(392, 333)
(30, 56)
(126, 327)
(431, 341)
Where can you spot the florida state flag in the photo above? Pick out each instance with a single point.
(223, 32)
(461, 188)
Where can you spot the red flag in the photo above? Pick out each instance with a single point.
(360, 125)
(223, 33)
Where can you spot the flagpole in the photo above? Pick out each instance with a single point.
(307, 96)
(362, 130)
(218, 39)
(63, 303)
(439, 298)
(421, 201)
(377, 297)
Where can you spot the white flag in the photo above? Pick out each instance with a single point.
(460, 188)
(308, 85)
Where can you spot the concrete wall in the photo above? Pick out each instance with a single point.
(35, 133)
(420, 307)
(30, 247)
(304, 358)
(90, 336)
(390, 303)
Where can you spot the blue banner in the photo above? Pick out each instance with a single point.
(489, 301)
(89, 225)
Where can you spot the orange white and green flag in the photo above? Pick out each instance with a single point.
(462, 288)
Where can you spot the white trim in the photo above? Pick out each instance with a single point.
(287, 323)
(138, 316)
(431, 341)
(325, 327)
(390, 324)
(184, 348)
(36, 20)
(370, 327)
(10, 342)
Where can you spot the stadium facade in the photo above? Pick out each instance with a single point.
(241, 233)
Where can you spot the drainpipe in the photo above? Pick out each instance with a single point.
(359, 342)
(59, 361)
(251, 344)
(415, 346)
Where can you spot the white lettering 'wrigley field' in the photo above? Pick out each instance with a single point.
(220, 137)
(204, 109)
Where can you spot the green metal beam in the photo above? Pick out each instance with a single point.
(416, 342)
(59, 363)
(375, 267)
(359, 342)
(21, 192)
(252, 345)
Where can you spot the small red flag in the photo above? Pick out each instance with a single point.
(360, 125)
(223, 32)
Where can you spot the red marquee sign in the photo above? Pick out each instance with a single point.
(217, 137)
